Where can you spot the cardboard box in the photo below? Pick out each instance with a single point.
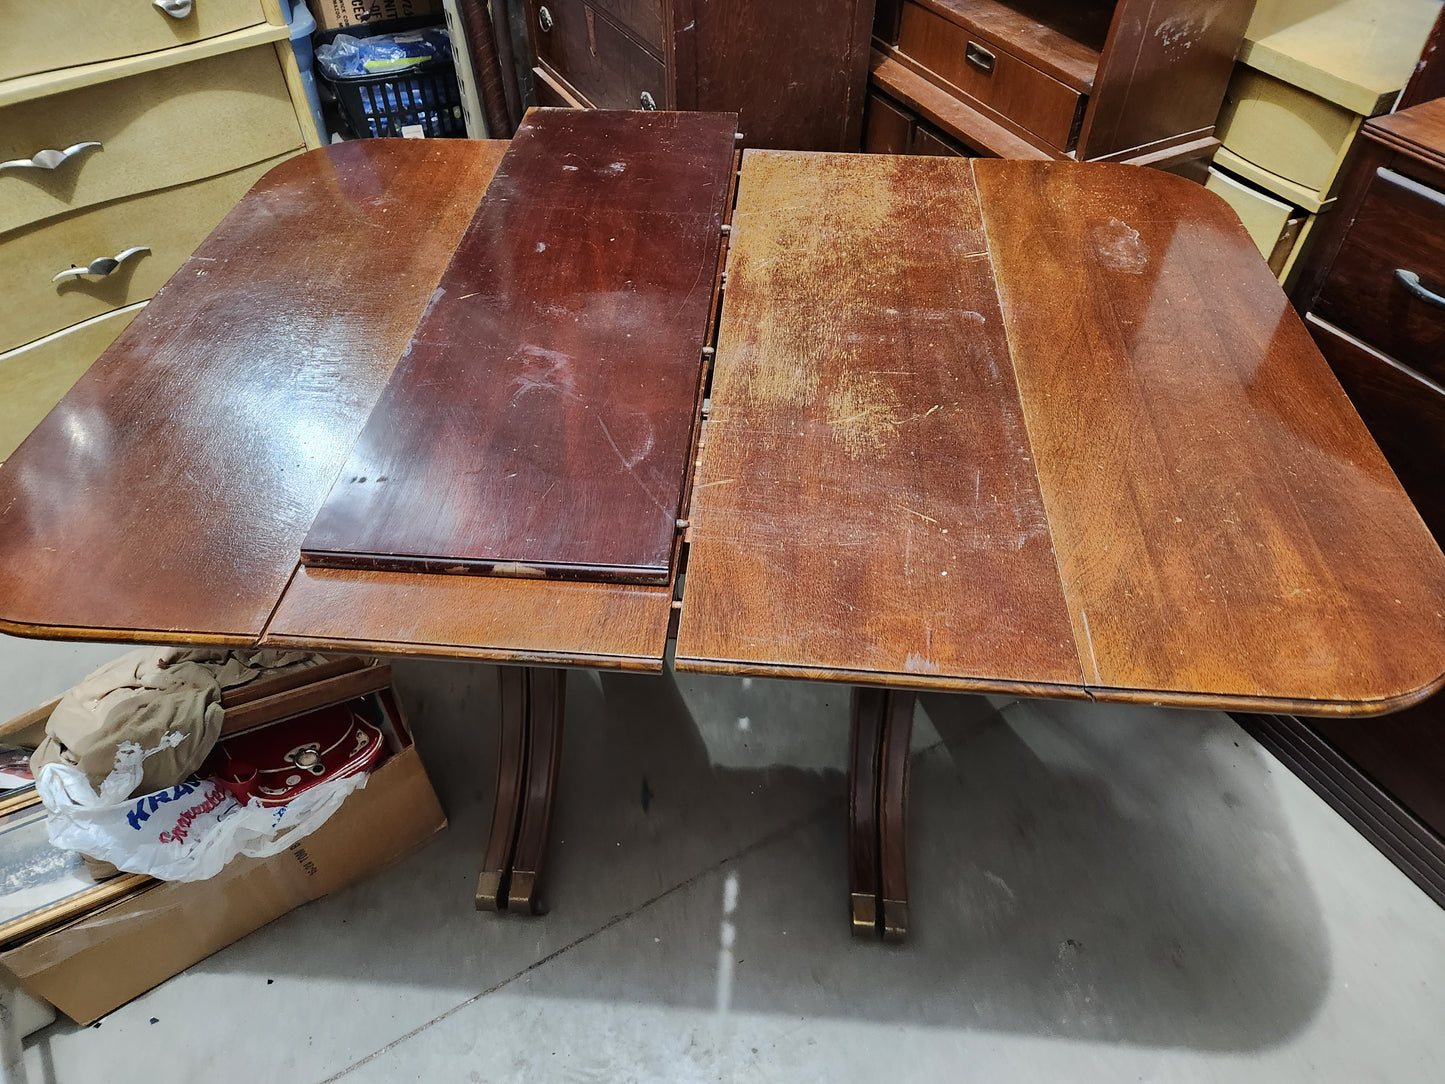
(333, 14)
(100, 961)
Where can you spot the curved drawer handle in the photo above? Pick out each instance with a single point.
(176, 9)
(48, 159)
(1411, 282)
(103, 266)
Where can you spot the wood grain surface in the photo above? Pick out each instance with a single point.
(623, 626)
(1224, 523)
(165, 498)
(541, 420)
(868, 501)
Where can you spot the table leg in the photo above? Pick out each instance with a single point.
(511, 761)
(877, 808)
(866, 752)
(546, 703)
(529, 747)
(893, 815)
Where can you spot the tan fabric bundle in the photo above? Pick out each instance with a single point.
(146, 694)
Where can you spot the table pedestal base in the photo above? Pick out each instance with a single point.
(877, 812)
(529, 752)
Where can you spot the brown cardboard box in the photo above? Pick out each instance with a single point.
(104, 959)
(331, 14)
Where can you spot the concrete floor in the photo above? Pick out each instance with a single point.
(1099, 893)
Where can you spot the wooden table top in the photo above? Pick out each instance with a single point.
(165, 499)
(986, 425)
(1012, 426)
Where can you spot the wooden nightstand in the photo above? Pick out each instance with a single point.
(1135, 81)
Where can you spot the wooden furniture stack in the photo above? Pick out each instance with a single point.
(1092, 80)
(1374, 300)
(1309, 74)
(127, 130)
(793, 71)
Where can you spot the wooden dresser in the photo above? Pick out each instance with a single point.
(1309, 74)
(127, 131)
(794, 70)
(1373, 295)
(1128, 81)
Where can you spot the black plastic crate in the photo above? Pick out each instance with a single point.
(382, 105)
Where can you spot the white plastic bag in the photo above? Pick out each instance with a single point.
(184, 833)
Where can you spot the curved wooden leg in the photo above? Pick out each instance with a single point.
(511, 760)
(893, 815)
(877, 812)
(546, 701)
(866, 748)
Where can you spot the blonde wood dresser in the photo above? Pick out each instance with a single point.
(128, 128)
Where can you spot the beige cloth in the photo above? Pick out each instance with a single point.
(146, 694)
(142, 696)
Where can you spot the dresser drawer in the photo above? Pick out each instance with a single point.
(605, 66)
(986, 72)
(641, 18)
(171, 223)
(155, 130)
(35, 377)
(1285, 130)
(42, 35)
(1405, 415)
(1400, 227)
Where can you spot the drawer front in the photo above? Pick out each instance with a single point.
(35, 377)
(887, 129)
(155, 130)
(641, 18)
(928, 142)
(990, 75)
(41, 36)
(1285, 130)
(607, 67)
(1404, 414)
(1263, 216)
(1400, 226)
(171, 223)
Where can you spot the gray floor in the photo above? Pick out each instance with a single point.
(1099, 893)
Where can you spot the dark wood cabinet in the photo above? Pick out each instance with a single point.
(1134, 80)
(795, 70)
(1373, 294)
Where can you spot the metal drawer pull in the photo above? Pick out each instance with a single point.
(48, 159)
(647, 101)
(544, 19)
(176, 9)
(103, 266)
(978, 56)
(1411, 282)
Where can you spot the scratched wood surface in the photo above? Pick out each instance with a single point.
(868, 503)
(557, 622)
(542, 419)
(165, 498)
(1224, 523)
(1157, 457)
